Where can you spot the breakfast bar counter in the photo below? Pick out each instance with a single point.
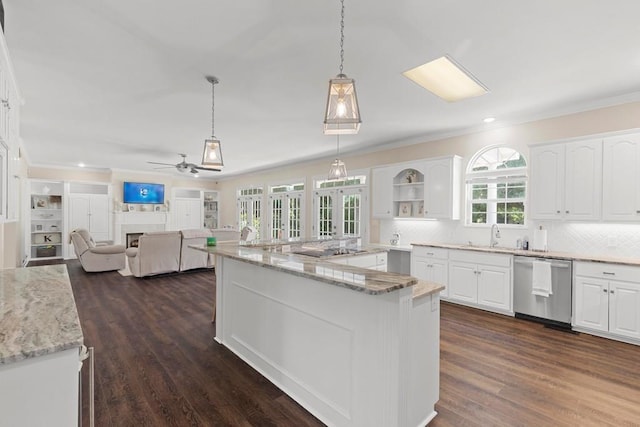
(355, 347)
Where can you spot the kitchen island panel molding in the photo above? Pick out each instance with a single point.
(345, 356)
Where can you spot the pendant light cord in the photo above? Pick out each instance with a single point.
(338, 146)
(213, 80)
(341, 36)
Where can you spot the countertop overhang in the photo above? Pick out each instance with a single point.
(364, 280)
(38, 313)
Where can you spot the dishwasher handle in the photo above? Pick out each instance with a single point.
(529, 261)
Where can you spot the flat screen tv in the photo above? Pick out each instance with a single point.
(143, 193)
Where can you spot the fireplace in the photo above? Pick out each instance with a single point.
(132, 239)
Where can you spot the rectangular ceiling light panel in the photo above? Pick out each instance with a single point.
(446, 79)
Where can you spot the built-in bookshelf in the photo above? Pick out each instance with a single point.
(211, 209)
(46, 223)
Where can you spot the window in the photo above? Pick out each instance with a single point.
(286, 213)
(496, 187)
(340, 207)
(250, 208)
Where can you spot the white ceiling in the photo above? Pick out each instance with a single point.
(117, 83)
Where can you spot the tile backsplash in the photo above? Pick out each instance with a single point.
(621, 240)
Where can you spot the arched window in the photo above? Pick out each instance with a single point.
(496, 187)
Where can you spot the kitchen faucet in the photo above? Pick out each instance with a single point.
(495, 235)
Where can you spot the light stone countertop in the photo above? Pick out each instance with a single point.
(38, 313)
(372, 282)
(536, 254)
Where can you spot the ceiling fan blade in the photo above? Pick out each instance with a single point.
(202, 168)
(165, 167)
(164, 164)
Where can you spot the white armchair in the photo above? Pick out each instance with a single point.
(97, 257)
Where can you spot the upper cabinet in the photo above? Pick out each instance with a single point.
(621, 178)
(427, 188)
(566, 180)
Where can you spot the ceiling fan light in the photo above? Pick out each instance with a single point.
(212, 155)
(342, 116)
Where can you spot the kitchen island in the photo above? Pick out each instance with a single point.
(40, 341)
(353, 346)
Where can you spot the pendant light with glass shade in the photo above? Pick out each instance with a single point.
(212, 156)
(338, 169)
(342, 115)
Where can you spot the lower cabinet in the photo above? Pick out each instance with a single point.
(431, 264)
(481, 280)
(607, 299)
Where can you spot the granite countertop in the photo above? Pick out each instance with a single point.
(372, 282)
(424, 288)
(536, 254)
(38, 314)
(390, 247)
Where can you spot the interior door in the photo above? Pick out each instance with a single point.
(99, 217)
(79, 216)
(187, 214)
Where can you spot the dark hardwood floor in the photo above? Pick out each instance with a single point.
(157, 365)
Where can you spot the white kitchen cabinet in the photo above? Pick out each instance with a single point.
(621, 178)
(481, 280)
(428, 188)
(382, 192)
(566, 180)
(442, 188)
(432, 265)
(607, 300)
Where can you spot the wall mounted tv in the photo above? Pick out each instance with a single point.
(143, 193)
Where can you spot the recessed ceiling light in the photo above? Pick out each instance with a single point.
(489, 119)
(446, 79)
(81, 165)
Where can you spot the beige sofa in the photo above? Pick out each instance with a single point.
(157, 252)
(168, 251)
(95, 256)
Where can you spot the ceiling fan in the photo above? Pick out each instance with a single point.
(183, 166)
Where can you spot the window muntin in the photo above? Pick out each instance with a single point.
(249, 208)
(497, 187)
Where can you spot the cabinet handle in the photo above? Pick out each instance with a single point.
(566, 211)
(557, 211)
(430, 253)
(611, 291)
(608, 273)
(638, 212)
(605, 291)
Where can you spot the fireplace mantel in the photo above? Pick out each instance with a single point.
(139, 222)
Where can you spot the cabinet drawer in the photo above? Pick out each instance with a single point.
(429, 252)
(381, 259)
(498, 260)
(603, 270)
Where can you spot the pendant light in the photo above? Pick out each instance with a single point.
(212, 156)
(338, 170)
(342, 115)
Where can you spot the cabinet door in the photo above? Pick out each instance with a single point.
(494, 287)
(624, 309)
(187, 214)
(621, 178)
(382, 193)
(437, 190)
(592, 303)
(583, 175)
(463, 282)
(546, 185)
(79, 212)
(439, 274)
(99, 217)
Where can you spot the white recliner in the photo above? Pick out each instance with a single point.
(94, 256)
(192, 258)
(157, 252)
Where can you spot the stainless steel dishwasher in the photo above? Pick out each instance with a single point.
(555, 309)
